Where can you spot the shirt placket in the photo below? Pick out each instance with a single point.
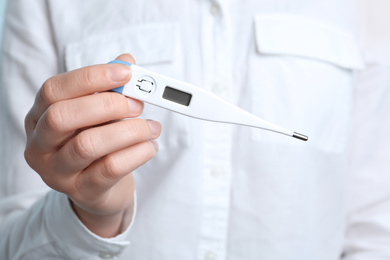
(216, 174)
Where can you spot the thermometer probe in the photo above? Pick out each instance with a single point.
(190, 100)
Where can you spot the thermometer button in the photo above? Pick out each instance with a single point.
(146, 85)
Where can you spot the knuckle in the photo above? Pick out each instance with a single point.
(46, 92)
(54, 118)
(110, 104)
(138, 129)
(27, 120)
(83, 146)
(29, 157)
(29, 123)
(111, 167)
(89, 76)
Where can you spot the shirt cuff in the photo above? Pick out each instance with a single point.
(72, 238)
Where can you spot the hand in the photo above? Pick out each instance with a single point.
(78, 146)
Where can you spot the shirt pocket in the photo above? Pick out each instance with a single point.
(155, 47)
(301, 78)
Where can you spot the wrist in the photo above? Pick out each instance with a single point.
(106, 226)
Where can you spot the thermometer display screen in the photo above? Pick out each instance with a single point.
(177, 96)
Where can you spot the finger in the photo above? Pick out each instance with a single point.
(94, 143)
(105, 173)
(126, 58)
(63, 118)
(81, 82)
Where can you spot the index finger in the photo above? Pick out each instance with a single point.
(80, 82)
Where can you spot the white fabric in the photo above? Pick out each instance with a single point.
(217, 191)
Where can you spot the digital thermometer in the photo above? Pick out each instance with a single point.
(190, 100)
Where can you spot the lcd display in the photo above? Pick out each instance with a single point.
(177, 96)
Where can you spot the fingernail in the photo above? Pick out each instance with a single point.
(118, 72)
(135, 106)
(155, 145)
(155, 126)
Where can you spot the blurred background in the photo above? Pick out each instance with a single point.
(2, 10)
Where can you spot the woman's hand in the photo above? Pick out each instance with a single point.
(78, 144)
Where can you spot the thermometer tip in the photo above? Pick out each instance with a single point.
(300, 136)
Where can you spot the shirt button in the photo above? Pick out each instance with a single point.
(106, 256)
(210, 255)
(215, 10)
(217, 172)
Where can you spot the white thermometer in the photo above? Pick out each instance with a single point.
(190, 100)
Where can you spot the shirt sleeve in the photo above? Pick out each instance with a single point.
(51, 229)
(368, 230)
(35, 223)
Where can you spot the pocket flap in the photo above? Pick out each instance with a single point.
(151, 43)
(282, 34)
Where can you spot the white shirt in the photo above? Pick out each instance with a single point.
(216, 191)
